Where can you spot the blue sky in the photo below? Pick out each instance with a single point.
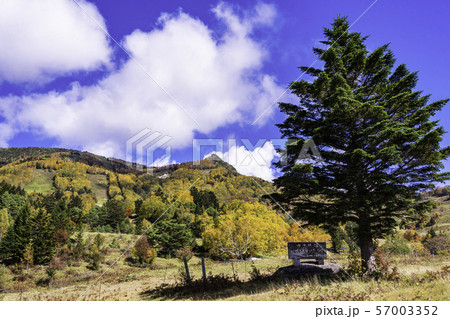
(193, 69)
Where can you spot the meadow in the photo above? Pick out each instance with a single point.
(417, 278)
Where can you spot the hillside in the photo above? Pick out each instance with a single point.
(12, 154)
(96, 178)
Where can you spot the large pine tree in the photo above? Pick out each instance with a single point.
(378, 143)
(42, 232)
(17, 238)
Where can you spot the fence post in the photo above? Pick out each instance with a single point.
(187, 269)
(203, 269)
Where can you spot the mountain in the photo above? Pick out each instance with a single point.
(96, 178)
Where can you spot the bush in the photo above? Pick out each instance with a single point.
(440, 244)
(184, 253)
(143, 252)
(5, 275)
(61, 237)
(431, 233)
(99, 241)
(397, 244)
(95, 257)
(255, 273)
(114, 243)
(418, 248)
(411, 235)
(383, 267)
(354, 267)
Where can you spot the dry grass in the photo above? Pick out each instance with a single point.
(121, 281)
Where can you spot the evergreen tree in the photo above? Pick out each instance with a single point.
(204, 199)
(17, 238)
(379, 147)
(115, 213)
(78, 245)
(75, 209)
(42, 234)
(170, 236)
(60, 219)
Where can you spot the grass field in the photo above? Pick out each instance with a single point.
(42, 182)
(99, 186)
(420, 278)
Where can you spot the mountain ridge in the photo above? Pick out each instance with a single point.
(75, 173)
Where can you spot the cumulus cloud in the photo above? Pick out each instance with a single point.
(256, 162)
(217, 80)
(43, 38)
(163, 161)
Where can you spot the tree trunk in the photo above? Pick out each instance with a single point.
(366, 243)
(367, 249)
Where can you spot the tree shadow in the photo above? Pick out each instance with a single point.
(224, 286)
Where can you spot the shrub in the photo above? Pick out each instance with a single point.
(78, 246)
(418, 248)
(383, 267)
(255, 273)
(114, 243)
(143, 252)
(61, 237)
(5, 275)
(51, 272)
(184, 253)
(354, 267)
(431, 233)
(411, 235)
(99, 241)
(95, 257)
(397, 244)
(60, 260)
(440, 244)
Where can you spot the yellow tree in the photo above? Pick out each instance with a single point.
(246, 229)
(4, 222)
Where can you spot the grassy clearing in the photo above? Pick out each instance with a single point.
(42, 182)
(420, 280)
(99, 186)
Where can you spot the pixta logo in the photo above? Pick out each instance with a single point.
(142, 148)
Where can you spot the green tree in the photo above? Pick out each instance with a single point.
(28, 259)
(99, 240)
(379, 147)
(170, 236)
(42, 235)
(18, 236)
(13, 202)
(204, 199)
(153, 208)
(95, 257)
(78, 245)
(75, 209)
(115, 213)
(61, 222)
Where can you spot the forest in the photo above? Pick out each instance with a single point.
(48, 201)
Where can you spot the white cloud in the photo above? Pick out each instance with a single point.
(43, 38)
(216, 80)
(251, 163)
(163, 161)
